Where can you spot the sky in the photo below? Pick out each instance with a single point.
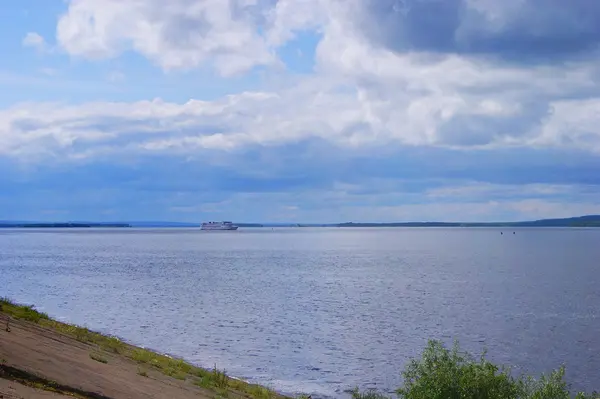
(299, 110)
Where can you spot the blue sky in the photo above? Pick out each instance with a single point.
(299, 110)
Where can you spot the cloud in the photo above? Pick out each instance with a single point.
(346, 114)
(514, 30)
(236, 35)
(415, 109)
(181, 35)
(35, 40)
(412, 77)
(168, 187)
(233, 36)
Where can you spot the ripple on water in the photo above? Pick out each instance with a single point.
(322, 310)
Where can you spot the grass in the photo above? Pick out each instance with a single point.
(369, 394)
(443, 373)
(258, 391)
(22, 312)
(98, 358)
(218, 380)
(215, 379)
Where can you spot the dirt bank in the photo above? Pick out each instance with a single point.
(42, 358)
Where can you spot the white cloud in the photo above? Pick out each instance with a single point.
(185, 34)
(363, 93)
(570, 122)
(35, 40)
(236, 35)
(342, 111)
(180, 34)
(290, 16)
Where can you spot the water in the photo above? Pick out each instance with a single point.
(322, 310)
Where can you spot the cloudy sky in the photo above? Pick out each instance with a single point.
(299, 110)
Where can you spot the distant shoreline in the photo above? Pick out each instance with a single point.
(62, 225)
(579, 221)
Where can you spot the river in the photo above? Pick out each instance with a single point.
(322, 310)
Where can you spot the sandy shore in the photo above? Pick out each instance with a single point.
(42, 358)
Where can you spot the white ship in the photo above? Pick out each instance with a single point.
(218, 226)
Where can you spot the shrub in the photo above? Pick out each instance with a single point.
(98, 358)
(220, 379)
(551, 386)
(442, 373)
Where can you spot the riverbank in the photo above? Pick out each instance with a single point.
(44, 358)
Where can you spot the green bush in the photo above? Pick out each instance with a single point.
(551, 386)
(450, 374)
(443, 373)
(98, 358)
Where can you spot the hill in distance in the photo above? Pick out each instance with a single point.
(579, 221)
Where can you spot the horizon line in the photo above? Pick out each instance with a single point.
(7, 221)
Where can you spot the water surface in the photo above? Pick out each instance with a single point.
(322, 310)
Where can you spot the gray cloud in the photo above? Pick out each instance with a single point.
(480, 130)
(511, 30)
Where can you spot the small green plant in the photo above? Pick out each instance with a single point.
(220, 379)
(222, 393)
(204, 382)
(144, 356)
(98, 358)
(142, 372)
(113, 344)
(175, 368)
(261, 392)
(369, 394)
(175, 373)
(180, 366)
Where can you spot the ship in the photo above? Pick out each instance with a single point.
(218, 226)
